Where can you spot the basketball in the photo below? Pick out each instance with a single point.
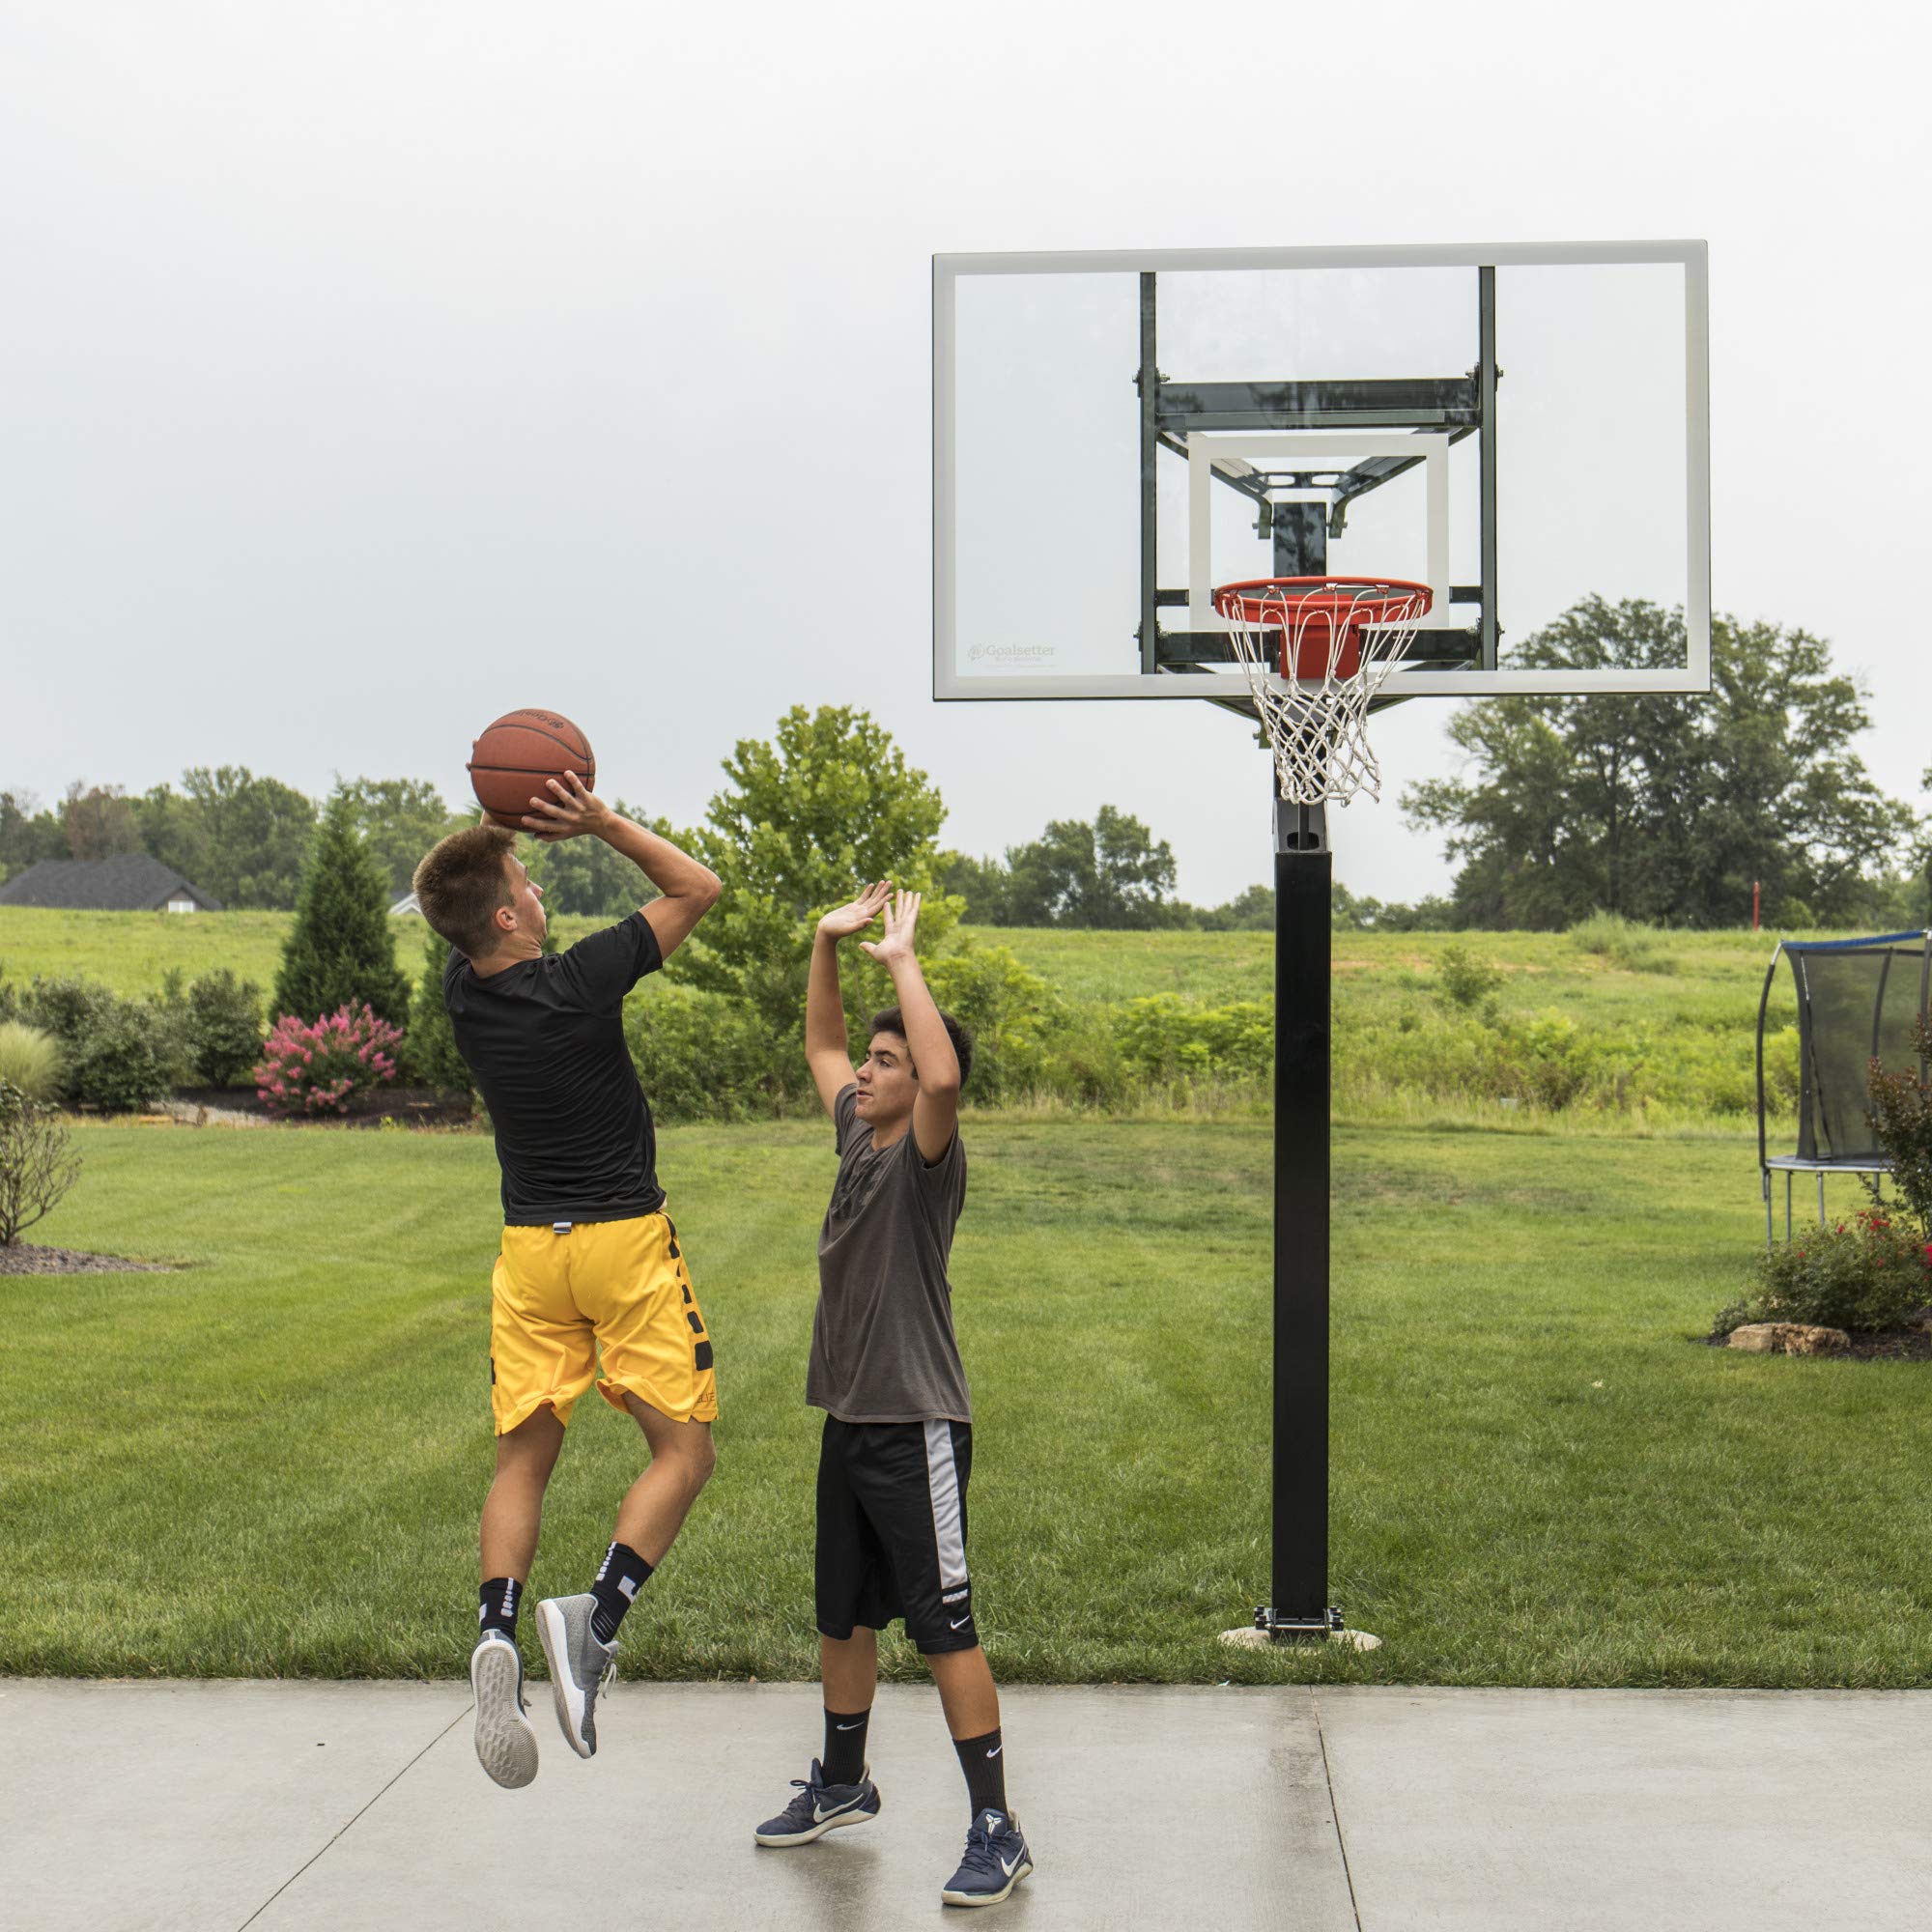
(516, 757)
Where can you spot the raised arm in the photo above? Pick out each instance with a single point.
(688, 890)
(935, 1111)
(828, 1051)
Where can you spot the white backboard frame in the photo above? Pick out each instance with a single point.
(1692, 256)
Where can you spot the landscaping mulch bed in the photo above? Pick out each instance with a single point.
(413, 1106)
(25, 1258)
(1868, 1345)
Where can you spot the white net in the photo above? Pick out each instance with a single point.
(1316, 650)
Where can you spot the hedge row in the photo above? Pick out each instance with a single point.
(703, 1055)
(123, 1055)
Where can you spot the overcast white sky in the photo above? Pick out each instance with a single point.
(370, 369)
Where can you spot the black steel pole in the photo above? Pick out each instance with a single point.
(1303, 870)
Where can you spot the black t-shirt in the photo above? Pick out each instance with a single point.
(545, 1040)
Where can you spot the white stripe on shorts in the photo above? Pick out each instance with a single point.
(943, 1480)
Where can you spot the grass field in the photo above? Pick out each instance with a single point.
(1705, 975)
(269, 1463)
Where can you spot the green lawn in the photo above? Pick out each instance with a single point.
(270, 1461)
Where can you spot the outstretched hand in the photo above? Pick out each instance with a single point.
(846, 920)
(568, 814)
(901, 916)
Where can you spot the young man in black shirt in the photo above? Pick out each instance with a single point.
(897, 1445)
(591, 1260)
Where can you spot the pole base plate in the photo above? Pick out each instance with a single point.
(1272, 1627)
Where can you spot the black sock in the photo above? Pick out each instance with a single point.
(985, 1769)
(844, 1760)
(619, 1577)
(500, 1600)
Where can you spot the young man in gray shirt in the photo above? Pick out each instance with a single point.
(897, 1446)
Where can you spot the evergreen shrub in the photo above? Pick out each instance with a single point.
(118, 1055)
(223, 1027)
(429, 1055)
(340, 950)
(702, 1056)
(129, 1058)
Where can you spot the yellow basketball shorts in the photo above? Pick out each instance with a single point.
(560, 1294)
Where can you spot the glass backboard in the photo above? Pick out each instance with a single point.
(1521, 428)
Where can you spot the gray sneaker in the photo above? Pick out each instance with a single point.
(580, 1666)
(505, 1744)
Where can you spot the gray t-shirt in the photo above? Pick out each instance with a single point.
(882, 1345)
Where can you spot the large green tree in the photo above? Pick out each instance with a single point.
(27, 833)
(983, 886)
(240, 837)
(99, 822)
(1665, 808)
(1109, 875)
(587, 876)
(806, 821)
(398, 820)
(340, 950)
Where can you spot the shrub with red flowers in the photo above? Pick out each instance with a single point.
(1901, 1113)
(323, 1067)
(1871, 1271)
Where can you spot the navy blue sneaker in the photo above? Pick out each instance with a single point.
(819, 1808)
(997, 1858)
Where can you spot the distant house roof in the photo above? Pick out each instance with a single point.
(133, 883)
(405, 906)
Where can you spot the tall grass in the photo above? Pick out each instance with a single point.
(30, 1060)
(1628, 943)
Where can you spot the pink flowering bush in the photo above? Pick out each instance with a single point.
(321, 1068)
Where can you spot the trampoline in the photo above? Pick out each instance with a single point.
(1857, 1002)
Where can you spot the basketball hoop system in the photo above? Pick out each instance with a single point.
(1316, 650)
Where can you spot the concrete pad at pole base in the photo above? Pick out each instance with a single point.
(1478, 1810)
(1251, 1636)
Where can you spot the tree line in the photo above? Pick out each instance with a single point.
(1663, 810)
(240, 837)
(246, 840)
(1669, 809)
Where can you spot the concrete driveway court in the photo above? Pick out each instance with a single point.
(171, 1806)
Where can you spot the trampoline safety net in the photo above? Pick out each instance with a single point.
(1857, 1001)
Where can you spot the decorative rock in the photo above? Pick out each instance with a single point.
(1789, 1338)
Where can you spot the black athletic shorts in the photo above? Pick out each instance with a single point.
(892, 1530)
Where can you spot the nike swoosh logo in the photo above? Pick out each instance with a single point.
(819, 1814)
(960, 1623)
(996, 1750)
(1007, 1869)
(845, 1727)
